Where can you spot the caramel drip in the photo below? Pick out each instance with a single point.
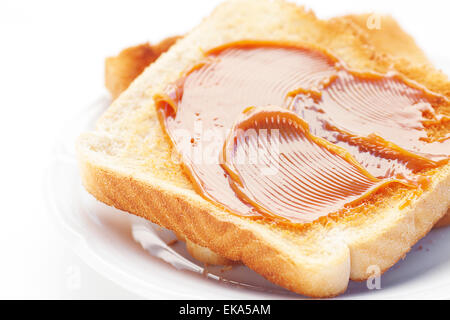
(365, 130)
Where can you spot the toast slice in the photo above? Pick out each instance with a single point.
(122, 69)
(127, 163)
(390, 39)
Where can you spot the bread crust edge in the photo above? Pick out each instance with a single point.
(223, 237)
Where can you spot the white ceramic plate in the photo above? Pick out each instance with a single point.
(134, 253)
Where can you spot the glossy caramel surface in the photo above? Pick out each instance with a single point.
(290, 134)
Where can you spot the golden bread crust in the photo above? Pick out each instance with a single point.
(197, 224)
(122, 69)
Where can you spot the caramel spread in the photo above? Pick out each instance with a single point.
(290, 134)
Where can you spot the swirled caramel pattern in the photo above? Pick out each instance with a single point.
(290, 134)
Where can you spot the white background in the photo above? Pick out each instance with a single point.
(51, 66)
